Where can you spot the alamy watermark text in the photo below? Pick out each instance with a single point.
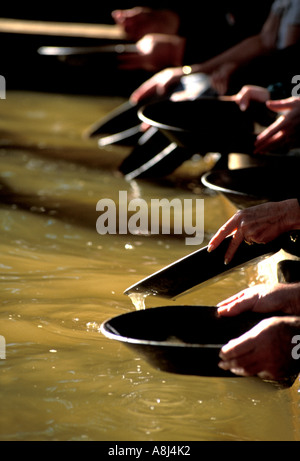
(296, 349)
(2, 87)
(296, 88)
(2, 348)
(175, 217)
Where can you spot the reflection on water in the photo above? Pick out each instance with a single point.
(59, 280)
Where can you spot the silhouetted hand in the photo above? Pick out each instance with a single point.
(139, 21)
(155, 52)
(265, 350)
(251, 93)
(158, 85)
(283, 134)
(259, 224)
(264, 299)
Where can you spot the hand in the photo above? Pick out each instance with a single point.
(258, 224)
(158, 85)
(251, 93)
(265, 350)
(264, 299)
(220, 77)
(155, 52)
(140, 21)
(285, 132)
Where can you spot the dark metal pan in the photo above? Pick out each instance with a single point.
(153, 156)
(159, 156)
(250, 186)
(123, 124)
(120, 126)
(65, 51)
(204, 125)
(180, 339)
(202, 266)
(288, 271)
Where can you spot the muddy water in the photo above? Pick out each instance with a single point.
(59, 280)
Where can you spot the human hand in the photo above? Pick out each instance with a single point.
(264, 299)
(139, 21)
(220, 77)
(158, 85)
(154, 52)
(285, 132)
(259, 224)
(265, 350)
(251, 93)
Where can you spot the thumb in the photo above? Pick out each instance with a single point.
(117, 15)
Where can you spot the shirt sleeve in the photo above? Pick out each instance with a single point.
(290, 9)
(293, 13)
(279, 6)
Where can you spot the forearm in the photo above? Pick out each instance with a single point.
(292, 213)
(240, 54)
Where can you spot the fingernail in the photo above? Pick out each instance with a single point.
(226, 261)
(243, 106)
(224, 350)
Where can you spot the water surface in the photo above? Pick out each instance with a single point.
(59, 280)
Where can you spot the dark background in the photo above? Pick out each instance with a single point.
(202, 22)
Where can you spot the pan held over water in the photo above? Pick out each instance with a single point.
(160, 216)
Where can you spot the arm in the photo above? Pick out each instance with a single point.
(246, 50)
(226, 63)
(293, 35)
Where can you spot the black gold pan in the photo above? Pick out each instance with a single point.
(187, 339)
(202, 266)
(179, 339)
(64, 51)
(182, 339)
(121, 125)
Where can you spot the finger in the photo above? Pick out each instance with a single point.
(244, 101)
(239, 348)
(147, 90)
(272, 129)
(272, 143)
(231, 299)
(227, 229)
(235, 305)
(268, 133)
(241, 367)
(233, 368)
(235, 242)
(118, 16)
(283, 104)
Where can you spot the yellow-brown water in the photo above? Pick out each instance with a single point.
(59, 280)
